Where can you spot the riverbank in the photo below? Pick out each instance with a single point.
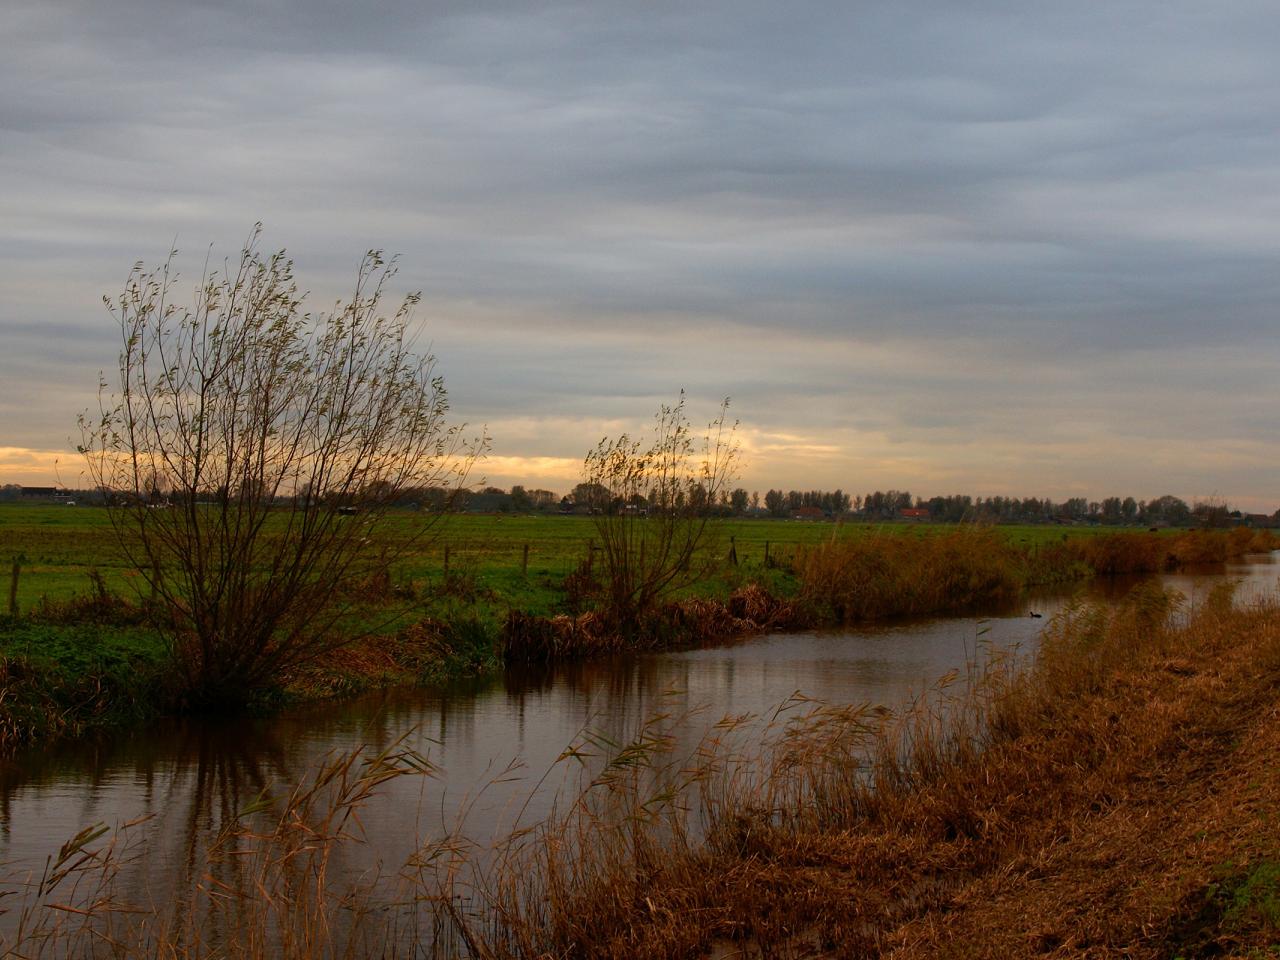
(93, 661)
(1115, 801)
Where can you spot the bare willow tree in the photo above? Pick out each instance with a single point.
(251, 452)
(656, 518)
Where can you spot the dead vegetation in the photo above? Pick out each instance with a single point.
(1130, 553)
(868, 578)
(884, 575)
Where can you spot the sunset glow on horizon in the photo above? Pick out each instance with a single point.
(950, 250)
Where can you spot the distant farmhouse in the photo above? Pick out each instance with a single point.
(48, 494)
(38, 494)
(808, 513)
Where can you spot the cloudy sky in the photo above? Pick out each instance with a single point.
(1014, 248)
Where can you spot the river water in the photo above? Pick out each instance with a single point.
(492, 741)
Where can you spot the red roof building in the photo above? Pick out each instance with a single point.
(808, 513)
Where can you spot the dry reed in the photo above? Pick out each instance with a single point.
(1134, 553)
(867, 578)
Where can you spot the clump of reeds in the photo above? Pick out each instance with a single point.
(752, 602)
(1125, 553)
(271, 887)
(1136, 553)
(41, 699)
(1223, 544)
(656, 837)
(528, 638)
(895, 574)
(72, 907)
(867, 578)
(845, 581)
(1053, 562)
(33, 701)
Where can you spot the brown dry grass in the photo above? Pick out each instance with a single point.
(846, 581)
(1163, 784)
(851, 580)
(1128, 553)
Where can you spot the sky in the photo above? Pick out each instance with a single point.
(987, 248)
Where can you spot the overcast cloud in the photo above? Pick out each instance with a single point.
(989, 248)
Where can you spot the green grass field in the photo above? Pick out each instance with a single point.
(59, 546)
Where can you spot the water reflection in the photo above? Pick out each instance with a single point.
(192, 778)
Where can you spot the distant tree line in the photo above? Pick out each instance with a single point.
(878, 505)
(1112, 511)
(832, 503)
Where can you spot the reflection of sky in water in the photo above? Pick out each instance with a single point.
(191, 777)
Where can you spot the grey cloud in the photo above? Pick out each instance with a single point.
(574, 185)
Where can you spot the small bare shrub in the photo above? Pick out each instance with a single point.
(250, 453)
(657, 511)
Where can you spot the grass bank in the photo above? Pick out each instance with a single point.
(1112, 798)
(82, 653)
(64, 680)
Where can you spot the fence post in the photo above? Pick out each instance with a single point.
(733, 551)
(446, 561)
(766, 555)
(13, 586)
(524, 562)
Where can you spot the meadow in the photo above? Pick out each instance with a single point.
(62, 546)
